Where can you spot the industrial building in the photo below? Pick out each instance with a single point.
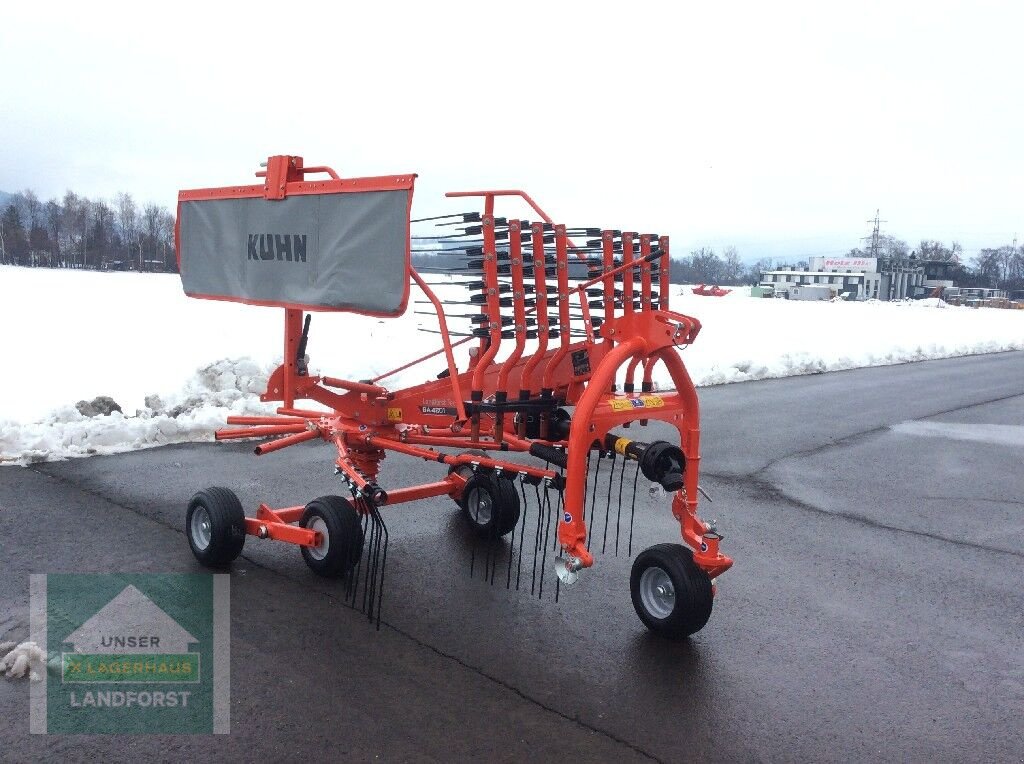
(863, 278)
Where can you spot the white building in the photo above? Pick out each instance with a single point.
(865, 277)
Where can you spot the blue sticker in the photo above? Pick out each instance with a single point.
(636, 403)
(568, 517)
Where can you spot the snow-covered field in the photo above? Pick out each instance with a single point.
(178, 366)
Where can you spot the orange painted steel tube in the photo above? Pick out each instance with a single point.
(289, 440)
(268, 420)
(541, 307)
(425, 491)
(515, 251)
(436, 456)
(627, 273)
(290, 534)
(608, 266)
(663, 270)
(645, 272)
(491, 308)
(489, 204)
(562, 271)
(356, 387)
(572, 531)
(304, 413)
(259, 432)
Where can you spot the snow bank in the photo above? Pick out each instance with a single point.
(191, 414)
(73, 335)
(26, 659)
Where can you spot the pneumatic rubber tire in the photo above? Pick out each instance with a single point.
(342, 529)
(490, 505)
(466, 472)
(670, 592)
(215, 526)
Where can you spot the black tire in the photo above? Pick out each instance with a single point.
(466, 470)
(687, 607)
(342, 528)
(215, 526)
(490, 504)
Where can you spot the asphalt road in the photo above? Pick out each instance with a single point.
(875, 610)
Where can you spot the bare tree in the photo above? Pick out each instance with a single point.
(936, 250)
(55, 226)
(102, 232)
(128, 222)
(151, 218)
(732, 266)
(707, 267)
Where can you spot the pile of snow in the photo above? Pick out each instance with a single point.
(28, 658)
(193, 413)
(138, 339)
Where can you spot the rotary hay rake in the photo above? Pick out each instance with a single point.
(345, 245)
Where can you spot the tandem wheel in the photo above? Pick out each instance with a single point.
(670, 592)
(215, 526)
(490, 504)
(341, 528)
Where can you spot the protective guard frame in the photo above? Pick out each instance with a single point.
(328, 245)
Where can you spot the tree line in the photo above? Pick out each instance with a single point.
(78, 232)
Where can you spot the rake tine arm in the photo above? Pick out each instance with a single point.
(288, 440)
(260, 432)
(562, 269)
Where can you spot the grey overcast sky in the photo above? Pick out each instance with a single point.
(777, 126)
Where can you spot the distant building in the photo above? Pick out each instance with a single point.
(846, 275)
(863, 278)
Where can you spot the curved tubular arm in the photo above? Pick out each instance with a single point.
(541, 308)
(562, 269)
(489, 202)
(572, 531)
(648, 382)
(684, 504)
(630, 373)
(627, 273)
(515, 250)
(645, 272)
(492, 307)
(608, 266)
(299, 169)
(505, 192)
(453, 372)
(663, 273)
(689, 428)
(321, 168)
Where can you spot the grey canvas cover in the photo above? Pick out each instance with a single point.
(338, 251)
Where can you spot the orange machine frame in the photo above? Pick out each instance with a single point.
(365, 419)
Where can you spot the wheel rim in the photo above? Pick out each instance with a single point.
(480, 506)
(319, 551)
(657, 592)
(201, 528)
